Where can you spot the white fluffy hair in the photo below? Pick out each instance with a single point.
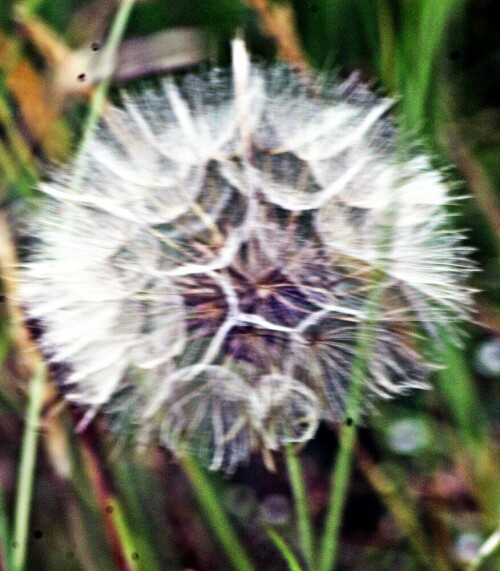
(208, 275)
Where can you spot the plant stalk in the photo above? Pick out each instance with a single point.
(27, 467)
(215, 515)
(301, 505)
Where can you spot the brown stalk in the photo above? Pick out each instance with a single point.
(278, 22)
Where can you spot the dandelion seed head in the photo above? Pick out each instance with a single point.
(208, 274)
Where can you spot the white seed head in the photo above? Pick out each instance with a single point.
(208, 274)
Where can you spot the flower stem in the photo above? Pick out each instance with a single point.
(301, 505)
(27, 467)
(348, 431)
(214, 512)
(347, 437)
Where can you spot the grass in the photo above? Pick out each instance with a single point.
(26, 469)
(427, 500)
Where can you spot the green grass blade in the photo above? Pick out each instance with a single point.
(133, 526)
(101, 91)
(27, 467)
(423, 25)
(460, 396)
(211, 505)
(348, 432)
(284, 549)
(301, 505)
(365, 340)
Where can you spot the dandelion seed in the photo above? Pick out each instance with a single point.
(208, 277)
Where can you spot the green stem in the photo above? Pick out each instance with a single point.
(348, 431)
(127, 537)
(211, 505)
(99, 97)
(27, 467)
(131, 521)
(347, 440)
(301, 505)
(286, 552)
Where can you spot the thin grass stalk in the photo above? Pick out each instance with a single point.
(211, 505)
(460, 395)
(142, 538)
(301, 505)
(348, 431)
(127, 537)
(27, 467)
(347, 440)
(284, 549)
(117, 529)
(74, 490)
(423, 25)
(99, 96)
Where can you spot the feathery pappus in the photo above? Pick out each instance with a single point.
(208, 274)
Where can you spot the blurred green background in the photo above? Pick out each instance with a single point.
(426, 491)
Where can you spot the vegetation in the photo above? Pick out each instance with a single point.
(425, 485)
